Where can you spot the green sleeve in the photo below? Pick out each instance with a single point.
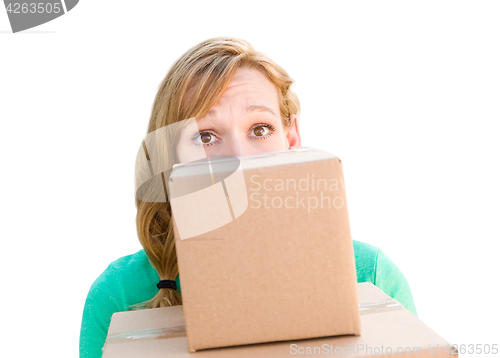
(125, 282)
(97, 312)
(392, 281)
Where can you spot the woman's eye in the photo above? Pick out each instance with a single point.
(260, 131)
(205, 138)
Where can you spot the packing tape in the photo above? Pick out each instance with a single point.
(379, 306)
(180, 331)
(154, 333)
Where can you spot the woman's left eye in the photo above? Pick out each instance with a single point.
(260, 131)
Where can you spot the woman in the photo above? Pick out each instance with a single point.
(243, 105)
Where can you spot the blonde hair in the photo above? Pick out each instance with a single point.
(192, 86)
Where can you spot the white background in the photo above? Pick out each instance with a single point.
(406, 93)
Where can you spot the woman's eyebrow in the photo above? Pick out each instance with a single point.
(260, 108)
(249, 109)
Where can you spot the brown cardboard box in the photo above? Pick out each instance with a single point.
(264, 249)
(388, 330)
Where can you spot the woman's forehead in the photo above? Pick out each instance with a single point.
(248, 90)
(252, 81)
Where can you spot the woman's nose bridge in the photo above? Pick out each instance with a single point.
(235, 144)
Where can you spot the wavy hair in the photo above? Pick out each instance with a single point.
(192, 86)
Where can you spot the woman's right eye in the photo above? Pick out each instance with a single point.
(205, 138)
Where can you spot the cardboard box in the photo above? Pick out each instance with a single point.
(388, 330)
(264, 249)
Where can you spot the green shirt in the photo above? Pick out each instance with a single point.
(131, 279)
